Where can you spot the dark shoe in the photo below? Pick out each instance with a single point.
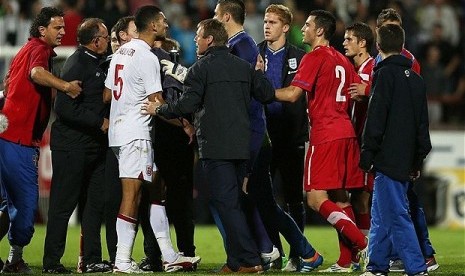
(225, 270)
(59, 269)
(146, 264)
(1, 264)
(102, 267)
(252, 269)
(19, 267)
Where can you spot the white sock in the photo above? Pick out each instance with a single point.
(126, 231)
(16, 254)
(161, 229)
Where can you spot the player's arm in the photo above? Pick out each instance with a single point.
(289, 94)
(43, 77)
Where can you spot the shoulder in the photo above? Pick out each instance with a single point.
(294, 51)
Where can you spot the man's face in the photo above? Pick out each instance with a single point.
(129, 34)
(161, 26)
(200, 42)
(309, 31)
(273, 27)
(351, 44)
(54, 32)
(102, 40)
(114, 42)
(219, 15)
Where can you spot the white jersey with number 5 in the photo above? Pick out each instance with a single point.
(134, 74)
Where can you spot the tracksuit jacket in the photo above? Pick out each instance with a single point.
(396, 137)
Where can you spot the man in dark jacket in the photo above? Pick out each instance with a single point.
(395, 142)
(78, 143)
(218, 89)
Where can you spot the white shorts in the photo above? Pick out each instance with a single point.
(135, 160)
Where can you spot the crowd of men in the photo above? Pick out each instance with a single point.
(126, 126)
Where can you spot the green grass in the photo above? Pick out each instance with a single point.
(449, 244)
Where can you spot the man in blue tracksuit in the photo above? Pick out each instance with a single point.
(395, 142)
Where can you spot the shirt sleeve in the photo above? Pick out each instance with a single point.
(307, 72)
(150, 72)
(39, 58)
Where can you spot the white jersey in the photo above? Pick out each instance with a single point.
(133, 75)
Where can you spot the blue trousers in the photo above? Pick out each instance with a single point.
(224, 178)
(19, 184)
(392, 228)
(275, 219)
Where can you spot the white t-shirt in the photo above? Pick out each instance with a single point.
(133, 75)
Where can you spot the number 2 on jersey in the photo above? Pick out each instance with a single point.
(118, 81)
(340, 74)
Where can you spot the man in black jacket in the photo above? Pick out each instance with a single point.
(78, 143)
(218, 89)
(395, 142)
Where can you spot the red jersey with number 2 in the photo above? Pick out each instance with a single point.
(326, 75)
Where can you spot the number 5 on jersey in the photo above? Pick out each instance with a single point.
(118, 82)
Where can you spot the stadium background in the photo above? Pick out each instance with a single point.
(435, 34)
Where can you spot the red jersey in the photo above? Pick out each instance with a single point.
(27, 105)
(415, 65)
(359, 109)
(326, 75)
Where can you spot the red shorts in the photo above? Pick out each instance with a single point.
(333, 165)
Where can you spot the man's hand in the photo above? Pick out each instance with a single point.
(357, 90)
(244, 185)
(188, 129)
(260, 65)
(148, 107)
(105, 125)
(175, 70)
(73, 88)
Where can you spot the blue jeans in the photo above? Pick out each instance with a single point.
(19, 184)
(392, 227)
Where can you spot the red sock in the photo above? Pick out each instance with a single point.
(345, 249)
(345, 252)
(363, 222)
(343, 224)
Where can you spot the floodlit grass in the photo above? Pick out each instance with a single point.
(449, 244)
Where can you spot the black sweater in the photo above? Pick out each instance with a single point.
(78, 122)
(396, 137)
(218, 89)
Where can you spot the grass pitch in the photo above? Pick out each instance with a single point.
(449, 245)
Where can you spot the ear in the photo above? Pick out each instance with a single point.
(320, 31)
(286, 28)
(42, 30)
(227, 16)
(362, 43)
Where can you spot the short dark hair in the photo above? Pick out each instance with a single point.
(362, 31)
(122, 25)
(326, 20)
(144, 15)
(234, 7)
(216, 29)
(391, 38)
(88, 30)
(388, 14)
(43, 19)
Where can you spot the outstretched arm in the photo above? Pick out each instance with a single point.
(288, 94)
